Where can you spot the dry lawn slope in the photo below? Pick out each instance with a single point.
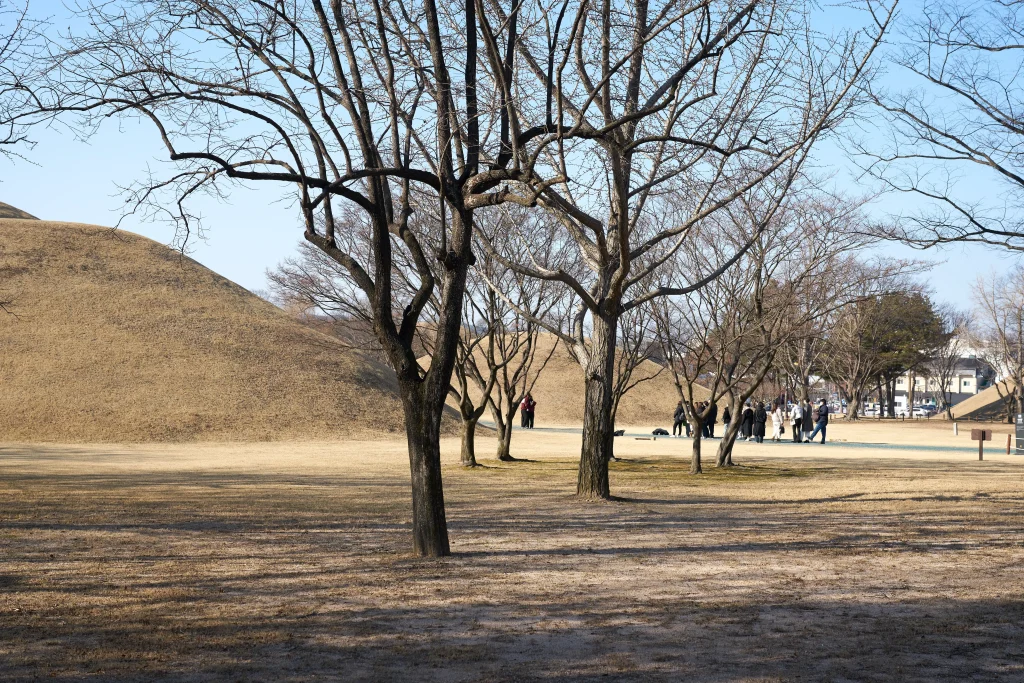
(560, 396)
(8, 211)
(117, 338)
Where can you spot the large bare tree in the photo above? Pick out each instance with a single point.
(364, 104)
(954, 131)
(999, 306)
(659, 115)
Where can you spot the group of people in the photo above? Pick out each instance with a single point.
(526, 409)
(806, 421)
(707, 430)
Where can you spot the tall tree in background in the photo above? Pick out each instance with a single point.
(962, 118)
(905, 332)
(660, 115)
(999, 302)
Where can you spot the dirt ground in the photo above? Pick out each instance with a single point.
(290, 562)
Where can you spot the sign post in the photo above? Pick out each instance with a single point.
(1020, 433)
(981, 436)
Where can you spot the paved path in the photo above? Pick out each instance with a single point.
(789, 441)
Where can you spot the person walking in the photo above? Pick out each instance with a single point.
(797, 422)
(712, 419)
(678, 418)
(760, 418)
(726, 419)
(808, 422)
(748, 422)
(822, 425)
(777, 422)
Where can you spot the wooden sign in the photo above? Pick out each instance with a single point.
(981, 436)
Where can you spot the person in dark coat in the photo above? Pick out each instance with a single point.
(760, 417)
(748, 422)
(712, 419)
(726, 419)
(678, 418)
(822, 424)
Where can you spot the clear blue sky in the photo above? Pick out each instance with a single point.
(254, 229)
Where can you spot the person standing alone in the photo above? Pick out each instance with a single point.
(760, 417)
(797, 422)
(712, 419)
(822, 422)
(777, 422)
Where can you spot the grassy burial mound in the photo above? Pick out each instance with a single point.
(988, 404)
(8, 211)
(115, 337)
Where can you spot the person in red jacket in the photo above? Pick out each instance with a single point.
(528, 406)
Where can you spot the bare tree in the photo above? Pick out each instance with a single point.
(17, 35)
(942, 368)
(999, 305)
(962, 118)
(518, 306)
(360, 104)
(659, 116)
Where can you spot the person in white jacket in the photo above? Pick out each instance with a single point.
(777, 422)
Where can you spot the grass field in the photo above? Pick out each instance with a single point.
(289, 562)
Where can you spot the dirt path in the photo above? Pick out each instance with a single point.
(271, 562)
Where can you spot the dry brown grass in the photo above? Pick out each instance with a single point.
(289, 562)
(8, 211)
(118, 338)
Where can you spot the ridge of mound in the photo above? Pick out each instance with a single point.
(8, 211)
(986, 404)
(117, 338)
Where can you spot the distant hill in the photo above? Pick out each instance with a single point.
(8, 211)
(118, 338)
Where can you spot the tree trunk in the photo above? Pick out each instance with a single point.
(890, 396)
(853, 406)
(505, 436)
(910, 393)
(468, 440)
(598, 427)
(695, 457)
(423, 434)
(724, 458)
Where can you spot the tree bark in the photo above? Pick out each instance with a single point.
(598, 427)
(910, 393)
(423, 434)
(695, 456)
(853, 406)
(469, 439)
(505, 436)
(724, 458)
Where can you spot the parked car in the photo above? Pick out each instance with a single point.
(919, 411)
